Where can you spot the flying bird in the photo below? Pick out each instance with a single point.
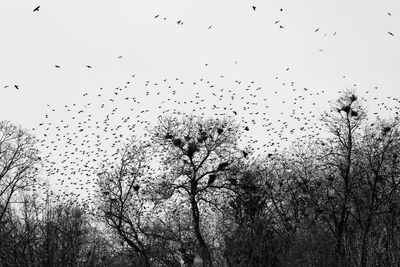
(16, 86)
(391, 33)
(210, 27)
(88, 66)
(36, 9)
(317, 30)
(57, 66)
(254, 8)
(120, 57)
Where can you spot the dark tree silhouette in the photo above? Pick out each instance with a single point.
(18, 163)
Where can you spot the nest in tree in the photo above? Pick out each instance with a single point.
(354, 113)
(346, 109)
(211, 179)
(192, 148)
(385, 130)
(203, 137)
(177, 142)
(353, 98)
(223, 165)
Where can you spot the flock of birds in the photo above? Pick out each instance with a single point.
(77, 139)
(89, 134)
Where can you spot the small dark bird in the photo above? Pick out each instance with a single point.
(88, 66)
(6, 86)
(254, 8)
(281, 9)
(120, 57)
(391, 33)
(317, 30)
(276, 22)
(156, 16)
(389, 13)
(209, 27)
(136, 187)
(16, 87)
(245, 154)
(57, 66)
(36, 9)
(280, 26)
(246, 128)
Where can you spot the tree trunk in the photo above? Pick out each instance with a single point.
(205, 253)
(363, 261)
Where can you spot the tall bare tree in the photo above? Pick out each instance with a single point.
(18, 163)
(196, 155)
(123, 206)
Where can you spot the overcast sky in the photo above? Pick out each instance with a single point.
(74, 33)
(324, 46)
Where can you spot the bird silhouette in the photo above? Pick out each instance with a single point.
(36, 9)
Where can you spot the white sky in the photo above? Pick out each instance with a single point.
(242, 44)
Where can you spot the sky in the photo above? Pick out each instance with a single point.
(315, 47)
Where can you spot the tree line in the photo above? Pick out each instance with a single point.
(190, 195)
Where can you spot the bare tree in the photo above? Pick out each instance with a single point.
(18, 161)
(344, 124)
(378, 182)
(196, 155)
(123, 206)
